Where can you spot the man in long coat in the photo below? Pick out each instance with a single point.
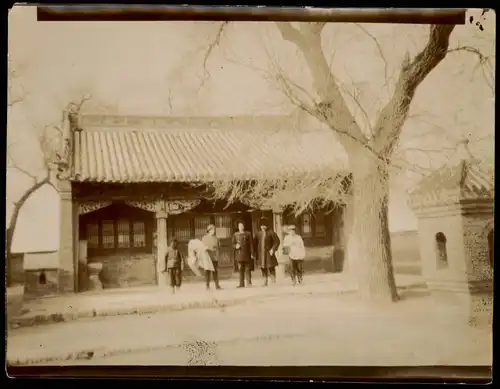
(266, 243)
(243, 254)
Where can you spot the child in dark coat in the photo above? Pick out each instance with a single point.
(174, 265)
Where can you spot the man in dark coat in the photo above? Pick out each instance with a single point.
(243, 254)
(266, 243)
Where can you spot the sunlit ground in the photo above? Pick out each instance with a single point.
(305, 330)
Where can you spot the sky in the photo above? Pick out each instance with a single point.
(154, 68)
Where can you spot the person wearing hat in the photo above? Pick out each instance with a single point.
(293, 245)
(243, 254)
(266, 243)
(213, 249)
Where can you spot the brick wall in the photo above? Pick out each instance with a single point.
(127, 270)
(476, 229)
(16, 269)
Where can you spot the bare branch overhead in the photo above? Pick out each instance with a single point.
(331, 108)
(392, 117)
(379, 48)
(210, 49)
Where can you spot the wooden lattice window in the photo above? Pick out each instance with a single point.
(306, 225)
(182, 228)
(123, 230)
(108, 234)
(223, 226)
(92, 235)
(319, 225)
(200, 225)
(139, 234)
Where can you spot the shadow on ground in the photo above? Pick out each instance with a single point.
(413, 292)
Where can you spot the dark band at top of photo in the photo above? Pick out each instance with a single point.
(267, 14)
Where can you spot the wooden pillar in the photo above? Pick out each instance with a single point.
(278, 228)
(67, 281)
(162, 244)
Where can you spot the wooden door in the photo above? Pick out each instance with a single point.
(224, 231)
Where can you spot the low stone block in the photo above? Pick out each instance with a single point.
(42, 282)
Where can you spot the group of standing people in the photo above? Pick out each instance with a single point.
(260, 250)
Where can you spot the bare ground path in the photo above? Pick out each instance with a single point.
(286, 330)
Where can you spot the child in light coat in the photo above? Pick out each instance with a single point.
(293, 245)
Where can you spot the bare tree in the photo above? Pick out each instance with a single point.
(371, 150)
(48, 138)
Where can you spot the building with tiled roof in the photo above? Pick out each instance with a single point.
(126, 186)
(454, 207)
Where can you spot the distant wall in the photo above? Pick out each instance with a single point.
(406, 252)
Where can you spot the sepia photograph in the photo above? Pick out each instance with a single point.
(249, 188)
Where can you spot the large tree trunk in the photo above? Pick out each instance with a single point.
(369, 245)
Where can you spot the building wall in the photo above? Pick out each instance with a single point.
(42, 274)
(16, 269)
(451, 226)
(127, 270)
(42, 283)
(405, 251)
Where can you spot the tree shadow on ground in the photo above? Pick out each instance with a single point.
(413, 292)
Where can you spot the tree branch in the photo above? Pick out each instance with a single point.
(379, 48)
(11, 164)
(211, 47)
(392, 117)
(290, 33)
(331, 108)
(483, 61)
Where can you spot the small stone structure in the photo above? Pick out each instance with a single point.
(94, 269)
(454, 207)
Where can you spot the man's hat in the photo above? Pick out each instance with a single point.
(263, 222)
(210, 227)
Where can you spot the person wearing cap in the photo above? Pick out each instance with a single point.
(174, 265)
(243, 254)
(266, 243)
(213, 249)
(293, 245)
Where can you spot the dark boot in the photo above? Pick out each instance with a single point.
(216, 279)
(241, 276)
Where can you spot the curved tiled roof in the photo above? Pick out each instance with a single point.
(466, 181)
(166, 155)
